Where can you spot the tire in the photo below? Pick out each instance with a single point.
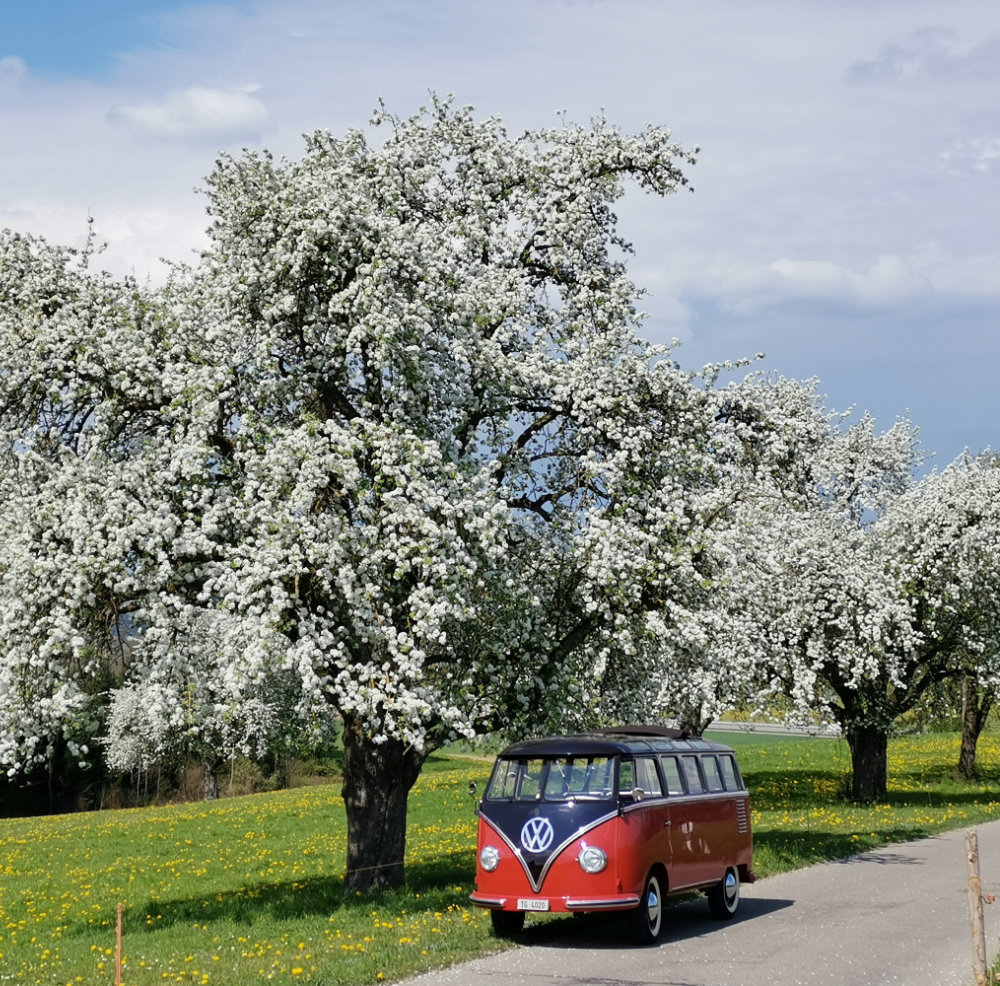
(724, 897)
(647, 918)
(507, 924)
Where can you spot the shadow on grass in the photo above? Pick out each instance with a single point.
(791, 789)
(943, 789)
(942, 799)
(780, 850)
(436, 882)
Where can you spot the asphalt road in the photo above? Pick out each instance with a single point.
(897, 915)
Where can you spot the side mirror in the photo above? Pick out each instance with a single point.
(472, 790)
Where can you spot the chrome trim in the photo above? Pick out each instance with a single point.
(619, 904)
(491, 902)
(647, 803)
(685, 799)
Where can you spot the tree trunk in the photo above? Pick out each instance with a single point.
(377, 782)
(869, 747)
(209, 781)
(976, 705)
(691, 720)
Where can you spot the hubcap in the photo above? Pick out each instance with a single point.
(731, 887)
(653, 905)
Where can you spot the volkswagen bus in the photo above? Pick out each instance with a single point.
(613, 820)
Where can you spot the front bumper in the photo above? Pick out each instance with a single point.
(556, 905)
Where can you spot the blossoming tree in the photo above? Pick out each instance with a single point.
(64, 522)
(858, 587)
(392, 455)
(453, 462)
(943, 541)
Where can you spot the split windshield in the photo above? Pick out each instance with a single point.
(553, 779)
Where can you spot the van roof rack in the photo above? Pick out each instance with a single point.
(613, 740)
(668, 732)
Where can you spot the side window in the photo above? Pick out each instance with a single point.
(691, 774)
(626, 777)
(647, 778)
(672, 775)
(713, 779)
(730, 775)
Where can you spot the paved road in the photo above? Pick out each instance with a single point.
(897, 915)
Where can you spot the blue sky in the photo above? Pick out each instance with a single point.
(79, 37)
(846, 213)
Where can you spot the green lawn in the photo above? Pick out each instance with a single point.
(250, 889)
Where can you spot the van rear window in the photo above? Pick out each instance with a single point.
(552, 779)
(713, 779)
(730, 774)
(692, 775)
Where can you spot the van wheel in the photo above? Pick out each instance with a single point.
(724, 897)
(647, 918)
(507, 924)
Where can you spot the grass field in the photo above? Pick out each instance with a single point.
(250, 889)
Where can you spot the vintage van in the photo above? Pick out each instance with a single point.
(614, 820)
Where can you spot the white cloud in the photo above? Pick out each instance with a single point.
(889, 283)
(199, 112)
(978, 155)
(139, 240)
(969, 276)
(931, 54)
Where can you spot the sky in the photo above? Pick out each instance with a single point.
(845, 219)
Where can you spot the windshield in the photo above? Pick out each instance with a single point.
(553, 779)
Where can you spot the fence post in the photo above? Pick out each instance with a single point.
(118, 947)
(976, 909)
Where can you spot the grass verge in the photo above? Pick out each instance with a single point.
(250, 889)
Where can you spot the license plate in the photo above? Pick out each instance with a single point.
(532, 904)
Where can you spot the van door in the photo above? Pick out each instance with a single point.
(645, 814)
(682, 864)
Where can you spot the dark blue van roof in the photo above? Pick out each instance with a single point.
(613, 741)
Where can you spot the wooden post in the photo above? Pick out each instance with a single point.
(976, 909)
(118, 948)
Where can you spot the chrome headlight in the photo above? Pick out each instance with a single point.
(592, 859)
(489, 858)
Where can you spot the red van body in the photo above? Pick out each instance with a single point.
(610, 821)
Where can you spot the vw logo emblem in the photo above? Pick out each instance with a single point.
(537, 834)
